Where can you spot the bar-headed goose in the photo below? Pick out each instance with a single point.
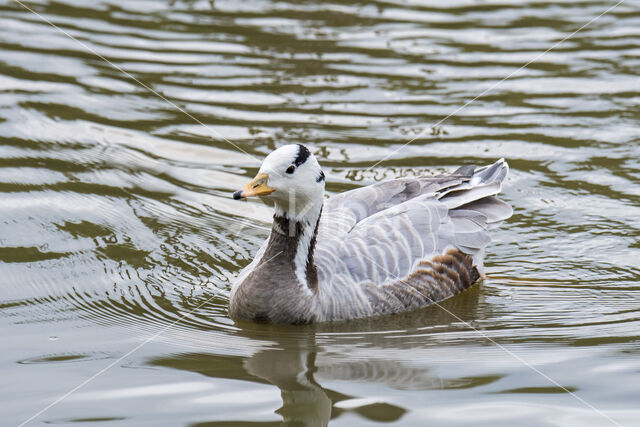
(390, 247)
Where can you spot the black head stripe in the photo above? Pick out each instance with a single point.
(320, 177)
(303, 155)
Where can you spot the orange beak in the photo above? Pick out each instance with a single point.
(257, 187)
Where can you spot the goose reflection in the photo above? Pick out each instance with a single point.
(299, 359)
(304, 400)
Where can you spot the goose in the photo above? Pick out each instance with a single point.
(386, 248)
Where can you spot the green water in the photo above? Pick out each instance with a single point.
(119, 238)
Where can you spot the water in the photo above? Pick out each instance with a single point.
(119, 238)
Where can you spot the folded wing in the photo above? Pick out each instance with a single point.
(385, 232)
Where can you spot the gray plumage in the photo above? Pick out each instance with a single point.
(382, 249)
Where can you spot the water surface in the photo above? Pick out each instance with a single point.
(124, 130)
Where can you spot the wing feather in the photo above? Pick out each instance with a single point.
(383, 232)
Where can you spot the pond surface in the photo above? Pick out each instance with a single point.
(119, 238)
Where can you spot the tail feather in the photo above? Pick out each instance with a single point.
(474, 207)
(494, 209)
(495, 172)
(461, 196)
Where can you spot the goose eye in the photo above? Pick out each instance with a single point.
(291, 169)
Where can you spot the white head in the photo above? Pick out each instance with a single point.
(292, 177)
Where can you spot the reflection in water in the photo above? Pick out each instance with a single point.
(298, 359)
(304, 401)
